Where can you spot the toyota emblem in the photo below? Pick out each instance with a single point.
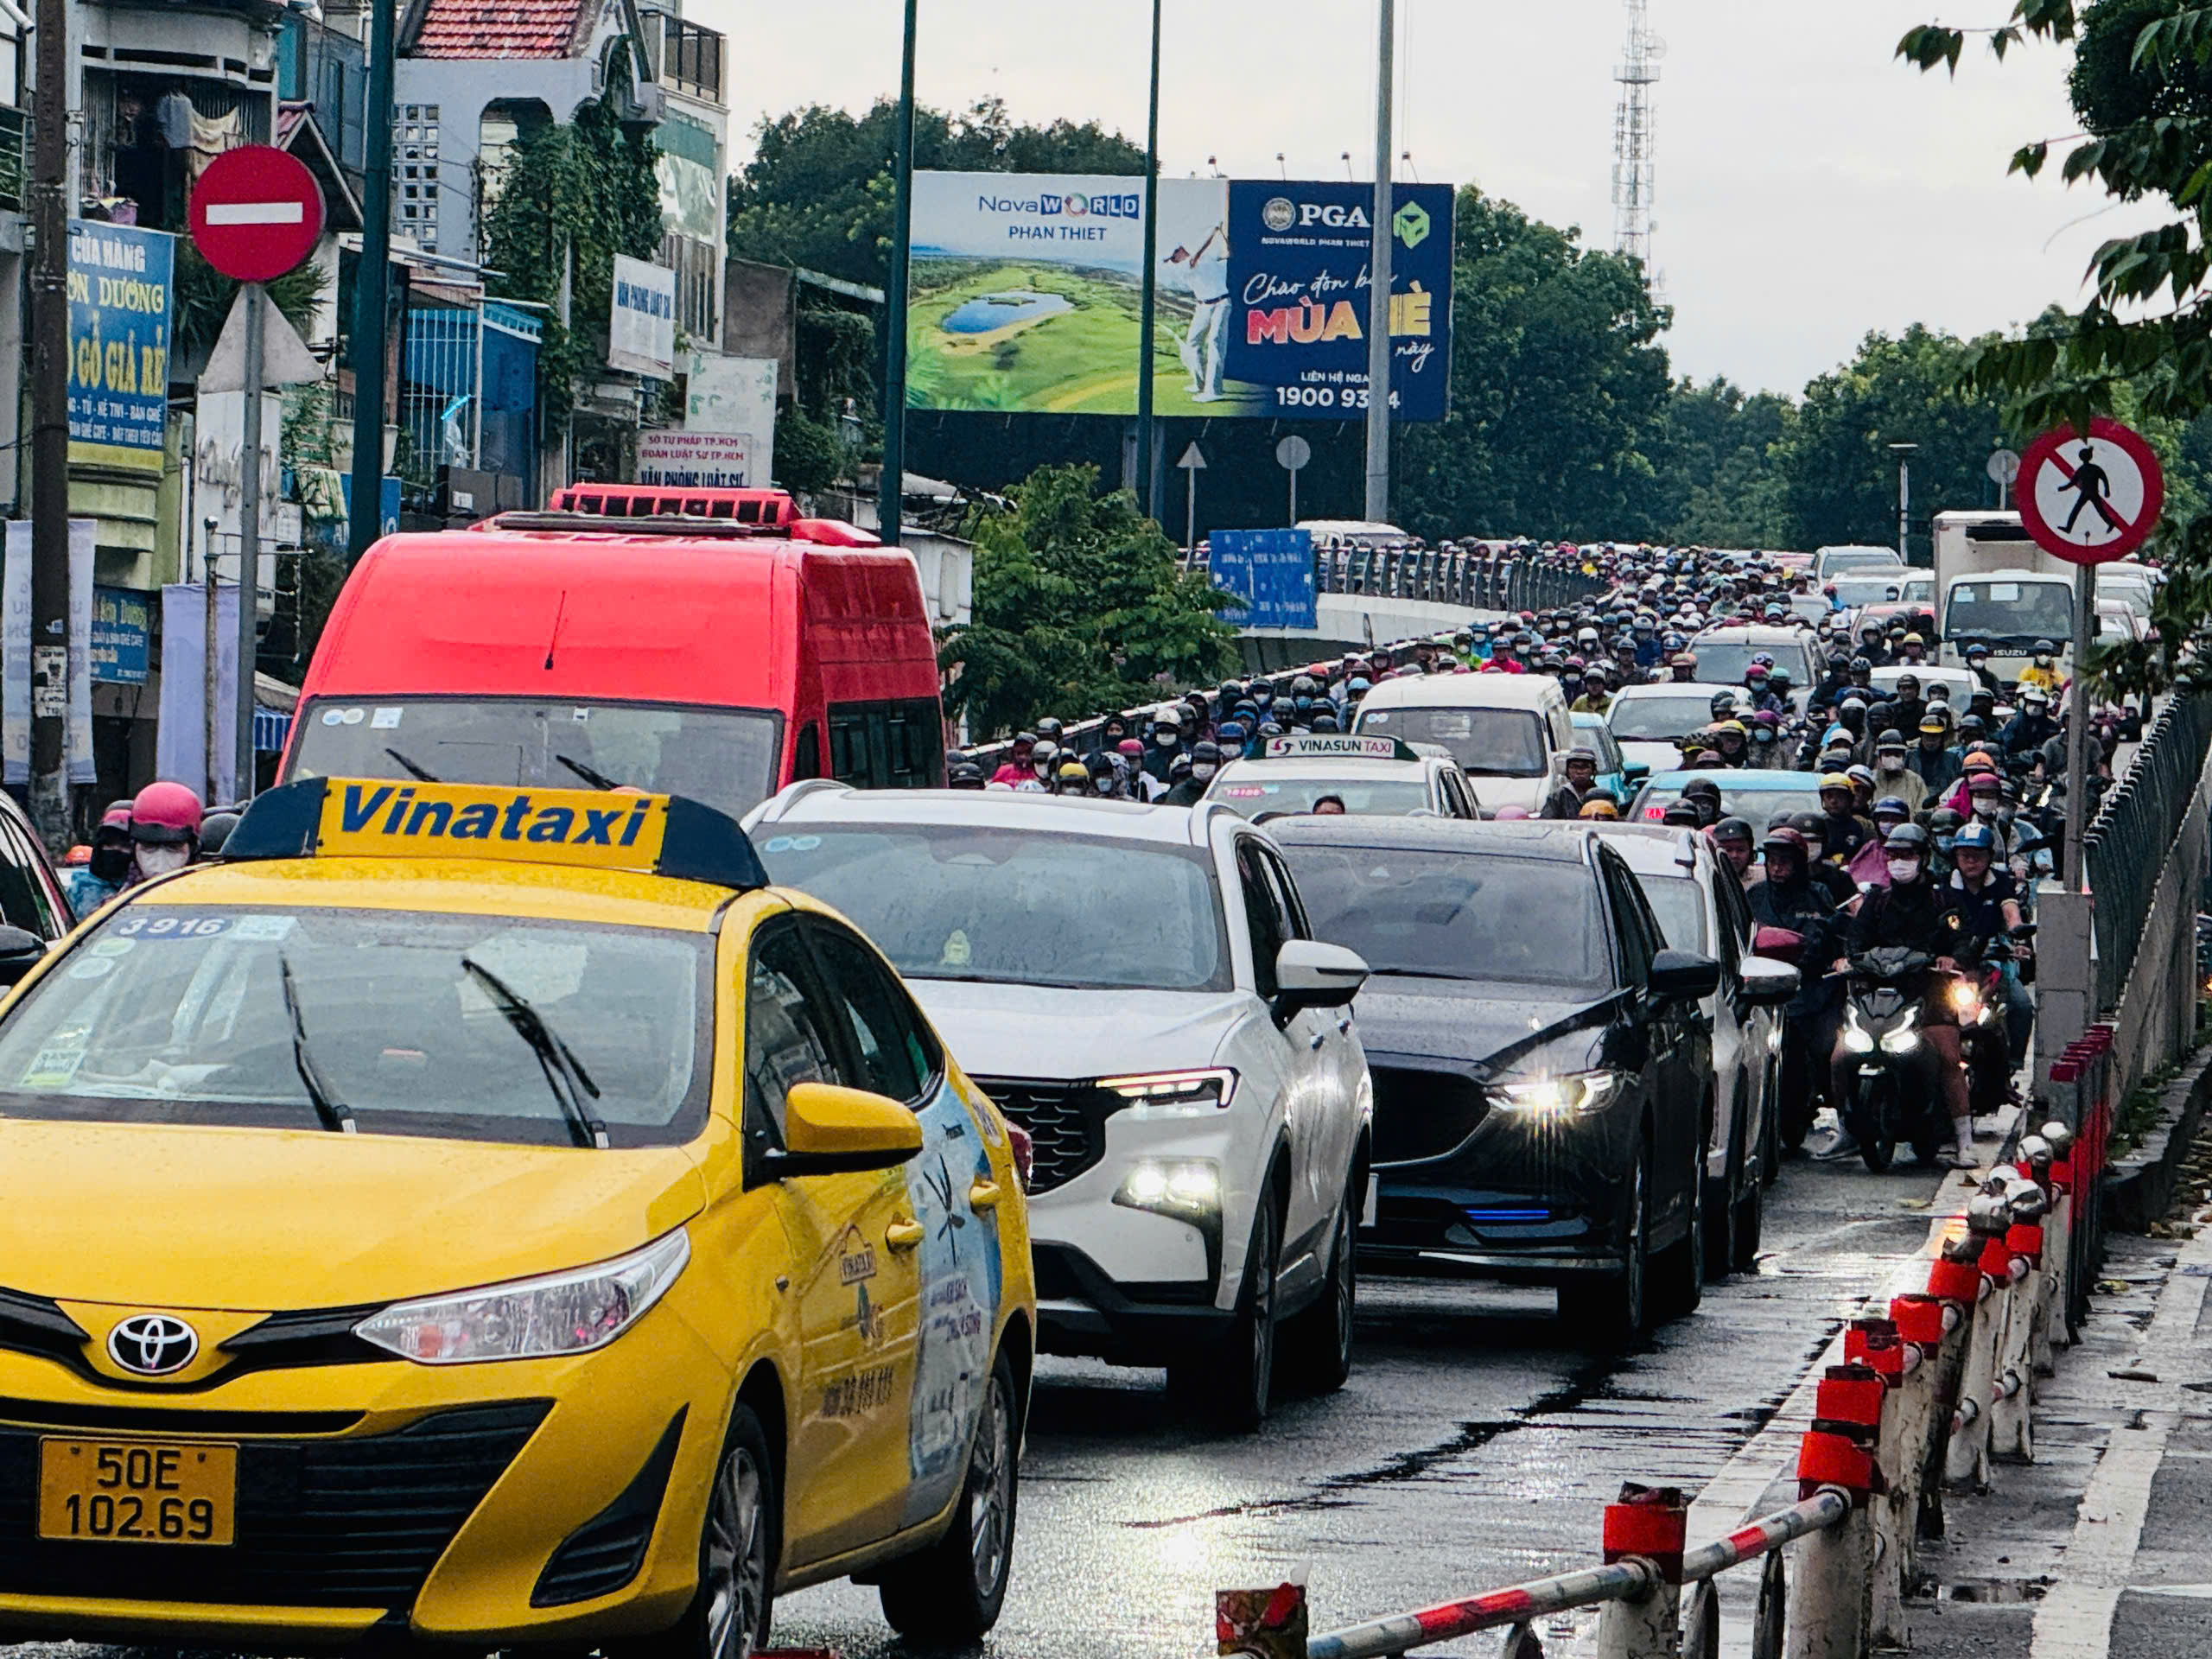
(153, 1345)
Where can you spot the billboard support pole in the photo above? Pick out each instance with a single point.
(373, 295)
(1378, 293)
(49, 284)
(1147, 466)
(891, 489)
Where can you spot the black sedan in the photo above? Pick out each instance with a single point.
(1539, 1058)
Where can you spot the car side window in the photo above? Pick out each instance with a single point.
(1290, 909)
(890, 1049)
(1634, 925)
(1730, 954)
(787, 1040)
(23, 901)
(1261, 924)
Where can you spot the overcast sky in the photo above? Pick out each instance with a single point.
(1810, 186)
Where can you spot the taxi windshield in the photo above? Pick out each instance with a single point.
(183, 1015)
(724, 758)
(1248, 795)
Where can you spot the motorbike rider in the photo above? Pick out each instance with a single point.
(1733, 743)
(1595, 698)
(1682, 667)
(1565, 800)
(1704, 795)
(1893, 777)
(2043, 672)
(1845, 832)
(1932, 761)
(1906, 707)
(1017, 764)
(1911, 912)
(1792, 898)
(103, 875)
(2032, 726)
(1978, 665)
(164, 831)
(1205, 761)
(1988, 899)
(1733, 837)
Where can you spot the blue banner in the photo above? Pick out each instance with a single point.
(1271, 570)
(123, 623)
(122, 299)
(1299, 288)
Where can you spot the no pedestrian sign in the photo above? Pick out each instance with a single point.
(2093, 500)
(256, 212)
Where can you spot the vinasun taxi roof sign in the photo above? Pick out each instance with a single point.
(1349, 746)
(378, 818)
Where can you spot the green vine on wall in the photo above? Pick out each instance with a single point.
(588, 186)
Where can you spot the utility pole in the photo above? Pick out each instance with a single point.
(1147, 471)
(1378, 293)
(891, 488)
(51, 197)
(371, 280)
(1903, 453)
(256, 302)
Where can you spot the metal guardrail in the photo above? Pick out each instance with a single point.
(1499, 580)
(2126, 844)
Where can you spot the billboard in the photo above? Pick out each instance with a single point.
(1298, 321)
(122, 295)
(1027, 294)
(641, 326)
(679, 459)
(1271, 570)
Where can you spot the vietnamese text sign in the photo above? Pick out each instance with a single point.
(736, 395)
(123, 623)
(1298, 318)
(697, 461)
(121, 301)
(1271, 570)
(15, 655)
(641, 330)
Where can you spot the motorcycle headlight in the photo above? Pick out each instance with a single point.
(1579, 1091)
(1857, 1038)
(1903, 1040)
(1965, 1000)
(547, 1318)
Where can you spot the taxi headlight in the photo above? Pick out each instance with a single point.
(546, 1317)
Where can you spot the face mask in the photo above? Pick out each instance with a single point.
(1104, 785)
(160, 861)
(1202, 772)
(1166, 739)
(2042, 661)
(1985, 809)
(1891, 762)
(111, 864)
(1904, 869)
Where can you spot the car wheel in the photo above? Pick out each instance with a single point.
(950, 1593)
(1680, 1268)
(1317, 1343)
(728, 1615)
(1231, 1384)
(1607, 1314)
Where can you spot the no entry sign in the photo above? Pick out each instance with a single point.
(2093, 500)
(256, 214)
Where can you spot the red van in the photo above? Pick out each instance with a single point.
(719, 661)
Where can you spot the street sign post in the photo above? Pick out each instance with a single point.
(255, 214)
(1292, 454)
(2003, 467)
(1192, 464)
(2087, 501)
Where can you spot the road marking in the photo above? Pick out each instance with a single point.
(256, 212)
(2075, 1620)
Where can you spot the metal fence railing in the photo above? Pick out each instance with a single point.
(2127, 842)
(1480, 579)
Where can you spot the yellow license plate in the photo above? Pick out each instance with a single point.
(138, 1492)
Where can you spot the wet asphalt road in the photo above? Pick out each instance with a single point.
(1473, 1447)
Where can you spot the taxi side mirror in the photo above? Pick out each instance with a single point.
(20, 951)
(830, 1130)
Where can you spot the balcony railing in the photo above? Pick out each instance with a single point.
(685, 56)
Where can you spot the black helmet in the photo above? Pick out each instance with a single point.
(1049, 727)
(1325, 722)
(966, 774)
(2044, 648)
(1231, 692)
(1733, 829)
(1207, 752)
(1861, 665)
(1906, 838)
(1030, 738)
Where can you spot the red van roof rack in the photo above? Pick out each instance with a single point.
(664, 524)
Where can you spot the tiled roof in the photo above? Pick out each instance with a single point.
(498, 29)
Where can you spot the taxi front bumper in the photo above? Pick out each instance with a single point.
(381, 1501)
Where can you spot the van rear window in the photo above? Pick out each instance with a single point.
(724, 758)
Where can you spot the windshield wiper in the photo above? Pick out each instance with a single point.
(595, 779)
(421, 774)
(565, 1072)
(328, 1107)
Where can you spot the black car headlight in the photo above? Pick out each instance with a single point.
(1570, 1095)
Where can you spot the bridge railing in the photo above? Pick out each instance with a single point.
(1496, 579)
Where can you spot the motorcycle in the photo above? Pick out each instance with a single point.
(1977, 998)
(1801, 1079)
(1894, 1093)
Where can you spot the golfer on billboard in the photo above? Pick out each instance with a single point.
(1200, 346)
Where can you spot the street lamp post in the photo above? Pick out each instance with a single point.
(1903, 453)
(891, 489)
(1148, 473)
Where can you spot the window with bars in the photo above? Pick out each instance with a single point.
(415, 182)
(698, 283)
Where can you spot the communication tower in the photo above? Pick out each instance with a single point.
(1633, 167)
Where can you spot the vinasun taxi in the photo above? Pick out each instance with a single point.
(495, 1217)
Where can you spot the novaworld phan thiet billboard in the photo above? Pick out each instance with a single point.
(1026, 296)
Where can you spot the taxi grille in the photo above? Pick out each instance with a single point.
(1066, 1122)
(356, 1523)
(1420, 1114)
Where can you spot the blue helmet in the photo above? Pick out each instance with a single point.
(1978, 836)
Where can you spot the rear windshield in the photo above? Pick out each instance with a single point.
(1754, 806)
(1249, 795)
(1659, 720)
(1724, 664)
(177, 1014)
(1457, 915)
(723, 758)
(1486, 742)
(1004, 906)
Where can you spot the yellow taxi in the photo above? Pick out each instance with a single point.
(495, 1217)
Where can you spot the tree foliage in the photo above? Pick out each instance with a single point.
(818, 192)
(582, 191)
(1079, 608)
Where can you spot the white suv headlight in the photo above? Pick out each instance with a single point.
(546, 1318)
(1169, 1092)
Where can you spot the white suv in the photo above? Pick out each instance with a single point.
(1137, 988)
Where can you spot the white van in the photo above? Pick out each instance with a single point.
(1510, 733)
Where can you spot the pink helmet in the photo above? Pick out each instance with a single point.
(1513, 812)
(165, 813)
